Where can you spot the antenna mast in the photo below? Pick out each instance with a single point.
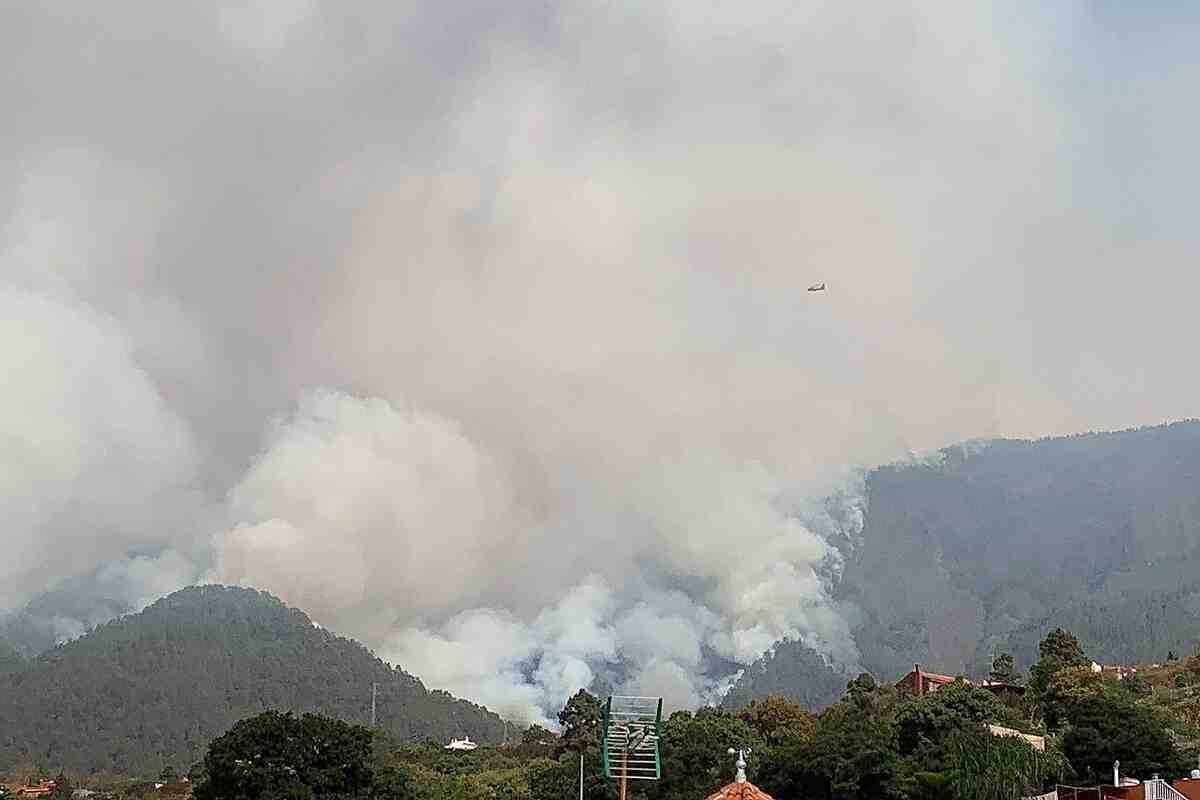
(374, 690)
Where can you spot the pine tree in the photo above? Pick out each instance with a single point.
(1004, 669)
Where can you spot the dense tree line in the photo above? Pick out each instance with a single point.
(151, 690)
(874, 742)
(988, 546)
(10, 659)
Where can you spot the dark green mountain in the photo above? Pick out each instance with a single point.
(792, 670)
(151, 689)
(10, 659)
(989, 545)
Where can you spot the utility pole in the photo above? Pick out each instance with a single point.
(374, 691)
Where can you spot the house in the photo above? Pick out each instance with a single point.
(1113, 670)
(39, 789)
(1002, 689)
(919, 682)
(461, 744)
(1036, 742)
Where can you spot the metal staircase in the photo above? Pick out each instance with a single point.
(1159, 789)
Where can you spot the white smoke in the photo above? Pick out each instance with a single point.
(385, 523)
(92, 456)
(549, 262)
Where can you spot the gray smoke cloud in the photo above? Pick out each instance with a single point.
(481, 333)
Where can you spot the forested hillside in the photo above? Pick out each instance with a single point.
(10, 660)
(150, 690)
(793, 671)
(874, 742)
(988, 546)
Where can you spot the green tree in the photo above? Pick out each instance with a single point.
(929, 786)
(555, 780)
(1059, 650)
(581, 719)
(1063, 647)
(1004, 669)
(986, 767)
(549, 780)
(863, 684)
(1110, 725)
(1066, 688)
(852, 754)
(537, 735)
(280, 756)
(925, 722)
(695, 752)
(776, 719)
(392, 783)
(1137, 685)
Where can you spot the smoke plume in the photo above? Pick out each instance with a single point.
(481, 331)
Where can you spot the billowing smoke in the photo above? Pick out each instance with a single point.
(480, 330)
(93, 460)
(396, 526)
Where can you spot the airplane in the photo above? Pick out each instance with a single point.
(817, 287)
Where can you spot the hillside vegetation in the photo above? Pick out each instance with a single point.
(10, 660)
(988, 546)
(150, 690)
(874, 742)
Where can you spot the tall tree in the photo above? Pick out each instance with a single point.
(537, 735)
(852, 754)
(1059, 650)
(1004, 669)
(581, 721)
(1110, 725)
(863, 684)
(276, 756)
(1062, 645)
(695, 752)
(555, 780)
(776, 719)
(925, 722)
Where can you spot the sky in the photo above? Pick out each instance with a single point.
(480, 331)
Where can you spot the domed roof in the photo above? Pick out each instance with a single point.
(740, 791)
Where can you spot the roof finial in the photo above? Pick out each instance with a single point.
(740, 763)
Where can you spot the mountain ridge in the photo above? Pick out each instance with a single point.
(988, 545)
(149, 690)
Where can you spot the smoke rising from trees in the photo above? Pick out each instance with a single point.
(480, 331)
